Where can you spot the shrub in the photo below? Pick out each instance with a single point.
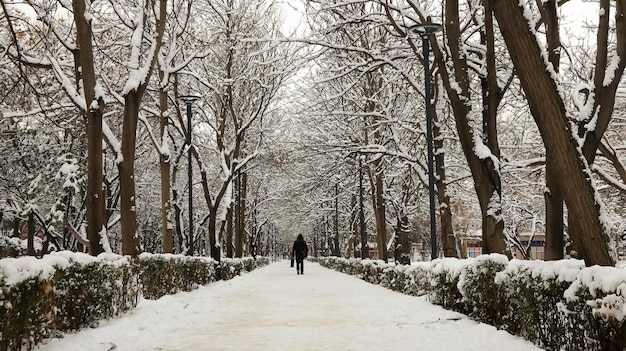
(90, 290)
(168, 274)
(16, 247)
(558, 305)
(418, 279)
(68, 291)
(444, 279)
(62, 291)
(479, 299)
(534, 290)
(232, 267)
(26, 314)
(594, 304)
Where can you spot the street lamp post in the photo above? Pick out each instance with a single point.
(364, 248)
(238, 231)
(425, 30)
(336, 238)
(189, 100)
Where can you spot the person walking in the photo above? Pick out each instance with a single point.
(300, 251)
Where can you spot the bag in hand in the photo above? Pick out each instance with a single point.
(292, 262)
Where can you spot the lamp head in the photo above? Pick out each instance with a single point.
(425, 28)
(189, 99)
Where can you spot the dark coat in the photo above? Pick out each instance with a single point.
(300, 249)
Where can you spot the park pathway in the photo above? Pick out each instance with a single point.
(272, 308)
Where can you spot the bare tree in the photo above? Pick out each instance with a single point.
(58, 42)
(245, 72)
(480, 147)
(589, 239)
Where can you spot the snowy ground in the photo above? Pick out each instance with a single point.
(272, 308)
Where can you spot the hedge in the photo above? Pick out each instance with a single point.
(65, 291)
(557, 305)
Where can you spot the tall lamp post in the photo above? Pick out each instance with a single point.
(364, 248)
(336, 234)
(188, 100)
(425, 30)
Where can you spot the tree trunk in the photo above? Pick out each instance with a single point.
(178, 222)
(548, 110)
(167, 237)
(448, 240)
(240, 213)
(553, 197)
(130, 242)
(16, 227)
(96, 225)
(238, 220)
(484, 173)
(381, 218)
(244, 195)
(214, 249)
(214, 204)
(229, 231)
(254, 231)
(492, 95)
(337, 250)
(402, 245)
(66, 218)
(554, 249)
(354, 226)
(376, 172)
(30, 243)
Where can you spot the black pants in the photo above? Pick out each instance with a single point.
(300, 265)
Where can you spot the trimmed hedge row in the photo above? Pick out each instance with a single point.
(65, 291)
(166, 274)
(557, 305)
(62, 291)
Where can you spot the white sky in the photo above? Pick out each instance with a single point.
(576, 15)
(293, 15)
(273, 308)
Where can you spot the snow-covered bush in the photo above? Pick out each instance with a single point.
(372, 271)
(68, 291)
(250, 264)
(25, 312)
(16, 247)
(166, 274)
(350, 266)
(91, 289)
(61, 291)
(232, 267)
(595, 305)
(533, 290)
(394, 277)
(358, 268)
(479, 299)
(558, 305)
(343, 265)
(411, 280)
(418, 278)
(444, 278)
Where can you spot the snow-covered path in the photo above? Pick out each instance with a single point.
(272, 308)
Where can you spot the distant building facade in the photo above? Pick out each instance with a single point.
(470, 244)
